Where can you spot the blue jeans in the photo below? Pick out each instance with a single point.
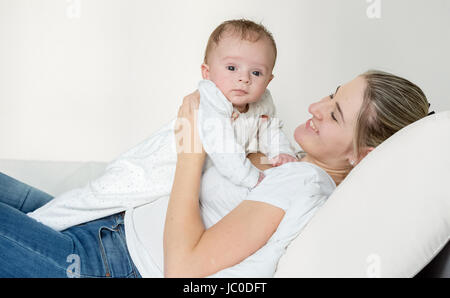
(31, 249)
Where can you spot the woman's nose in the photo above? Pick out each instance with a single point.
(315, 111)
(318, 109)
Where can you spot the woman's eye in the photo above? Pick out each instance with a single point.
(332, 116)
(256, 73)
(231, 68)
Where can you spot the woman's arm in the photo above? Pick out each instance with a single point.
(189, 249)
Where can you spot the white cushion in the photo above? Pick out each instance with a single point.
(389, 217)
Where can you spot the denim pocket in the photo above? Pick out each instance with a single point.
(114, 252)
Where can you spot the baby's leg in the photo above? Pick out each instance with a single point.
(21, 196)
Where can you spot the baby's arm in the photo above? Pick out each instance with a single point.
(237, 168)
(218, 137)
(227, 155)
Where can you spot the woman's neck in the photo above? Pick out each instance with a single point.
(336, 173)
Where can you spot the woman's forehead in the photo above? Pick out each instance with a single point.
(350, 96)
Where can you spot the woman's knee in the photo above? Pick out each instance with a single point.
(21, 196)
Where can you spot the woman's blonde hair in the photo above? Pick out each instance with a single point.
(390, 103)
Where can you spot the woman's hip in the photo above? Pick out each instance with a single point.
(101, 244)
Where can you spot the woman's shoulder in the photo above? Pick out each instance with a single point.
(300, 171)
(287, 183)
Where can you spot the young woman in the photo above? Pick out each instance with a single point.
(210, 227)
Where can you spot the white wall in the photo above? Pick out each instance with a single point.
(85, 80)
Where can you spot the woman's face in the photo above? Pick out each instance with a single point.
(327, 137)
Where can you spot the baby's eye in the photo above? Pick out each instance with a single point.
(231, 68)
(257, 73)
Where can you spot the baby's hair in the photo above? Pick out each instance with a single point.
(246, 29)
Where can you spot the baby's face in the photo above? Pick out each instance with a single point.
(240, 69)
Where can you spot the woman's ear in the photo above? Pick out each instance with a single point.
(205, 71)
(367, 150)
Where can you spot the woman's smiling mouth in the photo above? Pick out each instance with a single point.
(310, 124)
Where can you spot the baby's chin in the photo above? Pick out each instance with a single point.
(241, 100)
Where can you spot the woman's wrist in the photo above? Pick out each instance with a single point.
(191, 159)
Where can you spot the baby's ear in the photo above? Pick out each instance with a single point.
(271, 77)
(205, 71)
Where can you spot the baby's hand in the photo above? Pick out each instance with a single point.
(282, 159)
(261, 177)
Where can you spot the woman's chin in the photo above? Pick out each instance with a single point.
(303, 137)
(299, 133)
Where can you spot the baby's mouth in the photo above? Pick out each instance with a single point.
(239, 92)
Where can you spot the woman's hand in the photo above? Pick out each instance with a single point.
(188, 142)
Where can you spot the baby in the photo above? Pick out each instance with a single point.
(236, 116)
(239, 60)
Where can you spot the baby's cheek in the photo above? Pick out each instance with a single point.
(259, 94)
(222, 87)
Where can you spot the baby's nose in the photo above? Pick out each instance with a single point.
(244, 78)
